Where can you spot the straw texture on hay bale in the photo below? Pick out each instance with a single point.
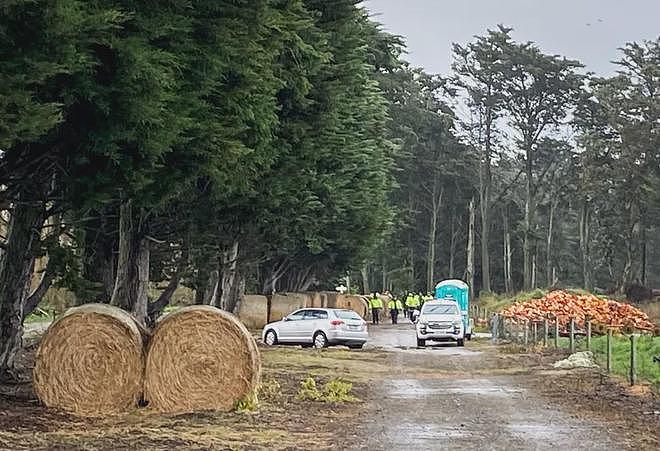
(91, 362)
(200, 358)
(352, 302)
(283, 304)
(252, 310)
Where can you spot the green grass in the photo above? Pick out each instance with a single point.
(647, 348)
(39, 316)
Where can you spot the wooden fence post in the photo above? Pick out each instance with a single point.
(572, 335)
(633, 359)
(588, 335)
(494, 328)
(536, 332)
(609, 350)
(557, 332)
(526, 332)
(545, 332)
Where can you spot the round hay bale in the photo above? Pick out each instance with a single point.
(200, 358)
(90, 362)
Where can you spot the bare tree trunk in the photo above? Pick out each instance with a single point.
(364, 271)
(628, 274)
(484, 206)
(210, 293)
(132, 281)
(37, 295)
(207, 279)
(23, 236)
(228, 260)
(644, 252)
(238, 291)
(508, 282)
(548, 248)
(436, 203)
(99, 259)
(452, 246)
(156, 307)
(533, 270)
(277, 270)
(585, 228)
(528, 238)
(470, 249)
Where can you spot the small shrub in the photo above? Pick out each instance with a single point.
(337, 390)
(308, 390)
(248, 404)
(334, 391)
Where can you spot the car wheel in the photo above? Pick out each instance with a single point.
(271, 338)
(355, 346)
(460, 342)
(320, 340)
(421, 343)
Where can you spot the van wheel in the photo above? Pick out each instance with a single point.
(421, 343)
(320, 340)
(460, 342)
(271, 338)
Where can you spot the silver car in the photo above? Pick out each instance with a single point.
(318, 327)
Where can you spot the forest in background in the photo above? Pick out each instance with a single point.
(285, 145)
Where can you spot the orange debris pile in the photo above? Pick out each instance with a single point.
(564, 306)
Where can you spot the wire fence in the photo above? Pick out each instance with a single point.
(609, 344)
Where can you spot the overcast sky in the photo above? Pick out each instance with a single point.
(587, 30)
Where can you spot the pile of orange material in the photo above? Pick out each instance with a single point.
(564, 306)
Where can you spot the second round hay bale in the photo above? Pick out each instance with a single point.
(91, 362)
(200, 358)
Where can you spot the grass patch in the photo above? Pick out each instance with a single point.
(270, 389)
(39, 316)
(647, 348)
(248, 404)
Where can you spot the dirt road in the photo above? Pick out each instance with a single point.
(441, 397)
(445, 397)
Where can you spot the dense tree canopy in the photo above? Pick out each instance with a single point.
(281, 145)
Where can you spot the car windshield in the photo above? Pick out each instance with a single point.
(440, 309)
(347, 314)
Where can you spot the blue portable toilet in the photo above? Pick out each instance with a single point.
(459, 291)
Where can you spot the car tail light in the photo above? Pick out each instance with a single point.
(336, 322)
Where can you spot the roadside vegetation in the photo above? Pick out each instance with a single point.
(647, 347)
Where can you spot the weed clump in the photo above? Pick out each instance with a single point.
(308, 390)
(334, 391)
(337, 390)
(270, 389)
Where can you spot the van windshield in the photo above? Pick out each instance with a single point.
(440, 309)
